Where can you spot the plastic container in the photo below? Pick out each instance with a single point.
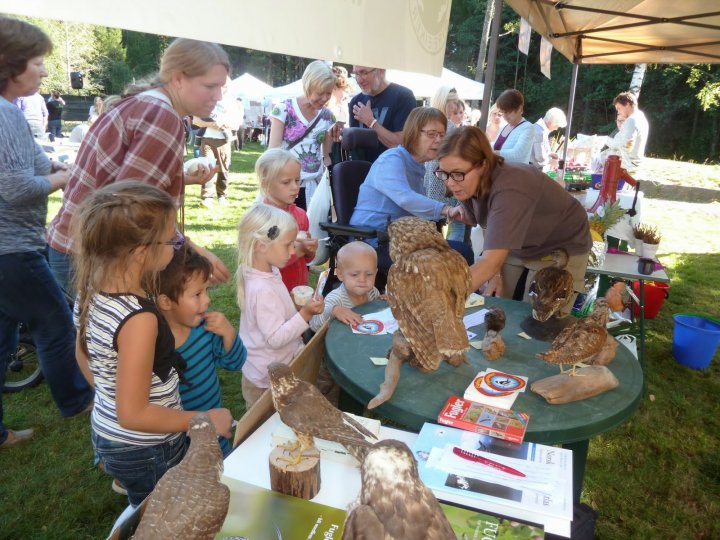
(695, 340)
(597, 179)
(655, 295)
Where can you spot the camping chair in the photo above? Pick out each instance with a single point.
(345, 180)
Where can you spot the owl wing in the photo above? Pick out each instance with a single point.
(584, 342)
(362, 524)
(426, 293)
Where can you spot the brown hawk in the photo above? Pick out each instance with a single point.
(304, 409)
(585, 342)
(427, 286)
(189, 501)
(394, 504)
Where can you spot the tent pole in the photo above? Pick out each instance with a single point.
(489, 77)
(568, 128)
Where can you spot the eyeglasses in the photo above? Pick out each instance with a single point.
(177, 242)
(363, 74)
(432, 134)
(455, 176)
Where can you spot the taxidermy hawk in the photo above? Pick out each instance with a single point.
(493, 345)
(393, 503)
(304, 409)
(427, 286)
(189, 501)
(586, 342)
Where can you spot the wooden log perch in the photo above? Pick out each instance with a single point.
(301, 480)
(588, 382)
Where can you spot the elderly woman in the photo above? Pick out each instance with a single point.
(515, 140)
(300, 125)
(527, 217)
(542, 156)
(28, 291)
(394, 186)
(142, 137)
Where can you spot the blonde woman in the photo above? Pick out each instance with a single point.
(143, 138)
(300, 125)
(96, 109)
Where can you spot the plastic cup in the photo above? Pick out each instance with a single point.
(302, 294)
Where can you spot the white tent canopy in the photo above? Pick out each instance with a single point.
(424, 86)
(402, 34)
(248, 87)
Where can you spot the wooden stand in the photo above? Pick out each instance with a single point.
(301, 480)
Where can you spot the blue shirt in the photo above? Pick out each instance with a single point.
(394, 189)
(203, 351)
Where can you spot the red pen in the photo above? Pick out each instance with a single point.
(485, 461)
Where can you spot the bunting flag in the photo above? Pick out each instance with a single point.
(545, 53)
(524, 38)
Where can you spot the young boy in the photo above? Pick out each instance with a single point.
(356, 268)
(205, 339)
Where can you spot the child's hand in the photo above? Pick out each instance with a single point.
(218, 324)
(346, 315)
(222, 420)
(305, 246)
(315, 306)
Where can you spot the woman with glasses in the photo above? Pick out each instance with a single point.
(528, 219)
(28, 291)
(515, 140)
(394, 186)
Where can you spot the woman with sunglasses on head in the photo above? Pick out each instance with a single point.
(28, 291)
(394, 186)
(526, 216)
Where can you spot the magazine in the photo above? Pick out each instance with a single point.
(472, 524)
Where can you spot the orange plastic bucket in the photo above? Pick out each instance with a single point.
(655, 295)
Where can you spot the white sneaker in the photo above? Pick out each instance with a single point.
(222, 200)
(208, 202)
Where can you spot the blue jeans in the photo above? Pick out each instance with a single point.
(30, 294)
(139, 468)
(456, 231)
(61, 267)
(55, 127)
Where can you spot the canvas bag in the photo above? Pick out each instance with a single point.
(317, 213)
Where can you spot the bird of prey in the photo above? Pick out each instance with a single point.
(304, 409)
(427, 286)
(189, 501)
(393, 503)
(586, 342)
(552, 288)
(493, 346)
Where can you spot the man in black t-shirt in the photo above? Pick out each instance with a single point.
(55, 107)
(382, 106)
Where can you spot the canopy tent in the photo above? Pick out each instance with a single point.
(402, 34)
(424, 86)
(248, 87)
(294, 89)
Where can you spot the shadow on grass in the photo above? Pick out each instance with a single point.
(670, 192)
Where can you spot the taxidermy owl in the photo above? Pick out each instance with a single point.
(304, 409)
(394, 504)
(189, 501)
(493, 346)
(426, 288)
(552, 288)
(586, 342)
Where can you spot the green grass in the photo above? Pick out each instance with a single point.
(656, 476)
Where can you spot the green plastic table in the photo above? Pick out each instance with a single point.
(419, 397)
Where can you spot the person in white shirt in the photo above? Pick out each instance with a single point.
(542, 156)
(630, 141)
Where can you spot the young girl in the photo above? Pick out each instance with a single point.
(278, 172)
(124, 346)
(270, 325)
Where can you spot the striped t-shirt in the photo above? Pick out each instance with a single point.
(106, 316)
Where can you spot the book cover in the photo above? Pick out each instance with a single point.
(328, 449)
(472, 524)
(543, 495)
(262, 514)
(468, 415)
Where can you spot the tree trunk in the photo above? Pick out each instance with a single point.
(715, 136)
(637, 79)
(482, 53)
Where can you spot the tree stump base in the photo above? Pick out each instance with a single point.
(301, 480)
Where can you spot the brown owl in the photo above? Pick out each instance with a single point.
(394, 504)
(587, 341)
(552, 288)
(493, 345)
(189, 502)
(426, 288)
(304, 409)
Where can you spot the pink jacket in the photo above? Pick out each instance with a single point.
(270, 326)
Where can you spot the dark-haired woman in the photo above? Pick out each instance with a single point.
(28, 292)
(526, 216)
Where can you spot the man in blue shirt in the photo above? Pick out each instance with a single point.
(382, 106)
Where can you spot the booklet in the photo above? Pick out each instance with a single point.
(468, 415)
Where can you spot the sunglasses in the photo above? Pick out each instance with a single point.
(177, 242)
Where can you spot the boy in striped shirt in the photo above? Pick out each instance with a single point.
(205, 339)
